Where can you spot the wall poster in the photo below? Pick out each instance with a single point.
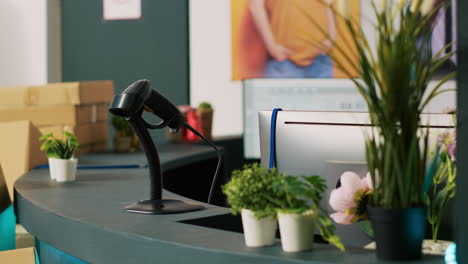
(277, 38)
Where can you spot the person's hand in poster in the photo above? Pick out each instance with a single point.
(290, 54)
(277, 51)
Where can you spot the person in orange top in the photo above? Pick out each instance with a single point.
(292, 54)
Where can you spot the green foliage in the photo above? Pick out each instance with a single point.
(298, 194)
(295, 193)
(204, 105)
(248, 188)
(394, 80)
(396, 90)
(443, 190)
(122, 126)
(59, 148)
(265, 191)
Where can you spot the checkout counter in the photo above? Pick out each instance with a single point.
(84, 222)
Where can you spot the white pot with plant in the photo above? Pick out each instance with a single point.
(246, 192)
(299, 212)
(62, 165)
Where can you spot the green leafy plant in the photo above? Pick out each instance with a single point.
(394, 78)
(122, 127)
(59, 148)
(204, 105)
(301, 194)
(248, 189)
(443, 183)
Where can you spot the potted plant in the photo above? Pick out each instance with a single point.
(299, 211)
(394, 83)
(62, 165)
(125, 139)
(246, 192)
(205, 114)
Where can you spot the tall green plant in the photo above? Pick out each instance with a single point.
(394, 80)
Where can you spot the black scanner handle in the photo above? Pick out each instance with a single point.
(140, 95)
(168, 112)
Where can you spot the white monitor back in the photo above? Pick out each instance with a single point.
(312, 95)
(328, 144)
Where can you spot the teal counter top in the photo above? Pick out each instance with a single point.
(85, 219)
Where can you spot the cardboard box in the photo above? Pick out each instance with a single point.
(20, 150)
(18, 256)
(70, 93)
(4, 196)
(92, 148)
(86, 134)
(58, 114)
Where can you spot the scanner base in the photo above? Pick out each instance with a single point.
(165, 206)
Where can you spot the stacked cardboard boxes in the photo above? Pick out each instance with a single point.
(78, 107)
(19, 150)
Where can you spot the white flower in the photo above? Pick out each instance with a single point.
(383, 5)
(344, 8)
(414, 4)
(402, 4)
(425, 6)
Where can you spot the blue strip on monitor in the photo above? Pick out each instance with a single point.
(274, 115)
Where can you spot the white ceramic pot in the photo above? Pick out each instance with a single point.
(52, 168)
(63, 170)
(297, 231)
(258, 232)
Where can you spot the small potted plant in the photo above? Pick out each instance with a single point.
(299, 211)
(125, 139)
(246, 192)
(205, 114)
(60, 152)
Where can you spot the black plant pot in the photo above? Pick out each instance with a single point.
(398, 232)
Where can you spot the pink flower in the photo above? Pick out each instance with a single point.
(452, 150)
(448, 142)
(350, 199)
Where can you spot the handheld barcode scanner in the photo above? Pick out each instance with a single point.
(140, 96)
(130, 104)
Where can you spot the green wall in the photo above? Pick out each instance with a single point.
(154, 47)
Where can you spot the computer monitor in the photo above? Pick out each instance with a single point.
(311, 95)
(328, 144)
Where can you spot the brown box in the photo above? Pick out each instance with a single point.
(86, 134)
(18, 256)
(4, 197)
(70, 93)
(92, 148)
(20, 150)
(57, 114)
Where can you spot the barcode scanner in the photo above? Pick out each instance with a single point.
(130, 104)
(140, 96)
